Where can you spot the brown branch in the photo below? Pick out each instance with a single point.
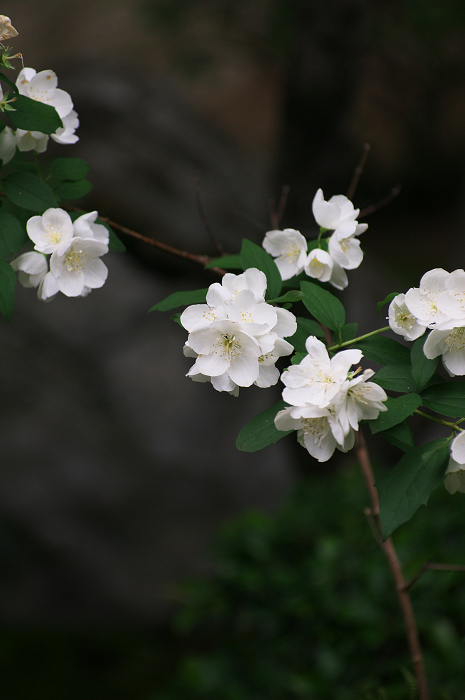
(277, 214)
(358, 171)
(396, 569)
(199, 259)
(203, 218)
(382, 202)
(431, 566)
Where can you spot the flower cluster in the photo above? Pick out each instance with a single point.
(41, 87)
(455, 472)
(75, 249)
(327, 400)
(438, 304)
(290, 248)
(236, 337)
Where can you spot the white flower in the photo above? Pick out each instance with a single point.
(451, 345)
(78, 266)
(360, 400)
(7, 31)
(223, 347)
(319, 265)
(42, 87)
(338, 277)
(289, 248)
(51, 231)
(422, 301)
(31, 268)
(455, 472)
(402, 321)
(334, 213)
(452, 302)
(65, 134)
(31, 141)
(252, 279)
(344, 247)
(85, 227)
(317, 379)
(268, 373)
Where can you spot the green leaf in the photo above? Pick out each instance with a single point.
(12, 235)
(29, 192)
(73, 190)
(398, 410)
(323, 306)
(261, 431)
(422, 368)
(409, 485)
(386, 351)
(348, 332)
(298, 357)
(254, 256)
(388, 299)
(177, 319)
(7, 289)
(115, 243)
(34, 116)
(227, 262)
(305, 327)
(197, 296)
(9, 82)
(447, 398)
(395, 378)
(69, 169)
(400, 435)
(292, 295)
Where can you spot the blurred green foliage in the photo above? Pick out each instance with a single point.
(302, 604)
(301, 607)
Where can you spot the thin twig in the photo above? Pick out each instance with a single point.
(277, 214)
(396, 570)
(199, 259)
(203, 217)
(382, 202)
(358, 171)
(431, 566)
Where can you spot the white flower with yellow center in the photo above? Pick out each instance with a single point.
(402, 321)
(319, 265)
(224, 347)
(31, 268)
(422, 301)
(451, 345)
(333, 213)
(359, 400)
(77, 266)
(51, 231)
(289, 248)
(344, 247)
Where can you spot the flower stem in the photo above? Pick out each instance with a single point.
(453, 426)
(361, 337)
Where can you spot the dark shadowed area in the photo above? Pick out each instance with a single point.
(116, 469)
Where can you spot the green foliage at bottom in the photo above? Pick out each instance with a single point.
(302, 604)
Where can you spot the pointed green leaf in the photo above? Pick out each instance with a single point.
(227, 262)
(305, 327)
(29, 192)
(400, 435)
(69, 169)
(32, 115)
(73, 190)
(12, 235)
(398, 410)
(387, 300)
(409, 485)
(196, 296)
(292, 295)
(395, 378)
(253, 255)
(261, 431)
(7, 289)
(386, 351)
(447, 398)
(323, 306)
(348, 332)
(422, 368)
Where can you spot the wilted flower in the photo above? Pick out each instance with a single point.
(7, 31)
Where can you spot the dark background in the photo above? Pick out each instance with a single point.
(116, 469)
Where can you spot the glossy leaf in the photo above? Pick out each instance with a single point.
(422, 368)
(32, 115)
(323, 306)
(291, 296)
(385, 351)
(69, 169)
(29, 192)
(446, 398)
(261, 431)
(395, 378)
(197, 296)
(409, 485)
(399, 409)
(227, 262)
(253, 255)
(400, 435)
(73, 190)
(385, 301)
(305, 327)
